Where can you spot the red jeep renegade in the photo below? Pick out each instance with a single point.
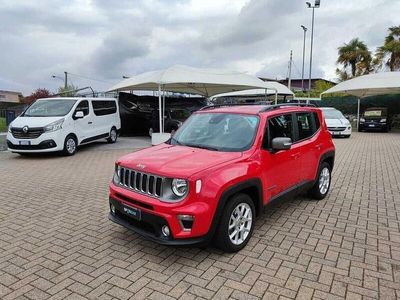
(214, 176)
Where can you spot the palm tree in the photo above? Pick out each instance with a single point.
(390, 51)
(355, 55)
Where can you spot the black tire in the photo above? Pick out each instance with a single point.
(221, 238)
(69, 148)
(319, 192)
(347, 136)
(113, 136)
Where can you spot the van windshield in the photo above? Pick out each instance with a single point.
(373, 113)
(49, 108)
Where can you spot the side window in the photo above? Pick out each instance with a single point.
(280, 126)
(83, 106)
(305, 124)
(104, 107)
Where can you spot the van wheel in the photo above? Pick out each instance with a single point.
(113, 136)
(70, 145)
(236, 225)
(323, 182)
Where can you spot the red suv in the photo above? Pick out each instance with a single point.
(214, 176)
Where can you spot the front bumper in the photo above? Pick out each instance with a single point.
(46, 142)
(373, 126)
(149, 226)
(155, 214)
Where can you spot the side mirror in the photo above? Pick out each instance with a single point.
(281, 143)
(79, 115)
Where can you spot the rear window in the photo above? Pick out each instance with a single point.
(104, 107)
(373, 113)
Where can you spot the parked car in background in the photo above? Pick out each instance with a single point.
(337, 123)
(62, 124)
(375, 119)
(212, 179)
(173, 119)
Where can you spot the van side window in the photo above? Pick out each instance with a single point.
(305, 124)
(103, 107)
(84, 107)
(280, 126)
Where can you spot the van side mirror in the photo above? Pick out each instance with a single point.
(281, 143)
(79, 115)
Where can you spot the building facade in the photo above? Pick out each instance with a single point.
(10, 96)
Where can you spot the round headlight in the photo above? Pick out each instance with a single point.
(179, 187)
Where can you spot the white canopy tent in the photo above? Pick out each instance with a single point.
(368, 85)
(183, 79)
(271, 88)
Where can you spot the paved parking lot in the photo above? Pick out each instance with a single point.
(56, 241)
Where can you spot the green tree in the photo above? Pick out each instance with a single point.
(319, 87)
(355, 58)
(389, 53)
(69, 91)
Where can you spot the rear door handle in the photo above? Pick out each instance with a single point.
(90, 122)
(295, 155)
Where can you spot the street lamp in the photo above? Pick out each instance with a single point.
(317, 4)
(304, 53)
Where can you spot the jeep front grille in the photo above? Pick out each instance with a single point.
(141, 182)
(32, 133)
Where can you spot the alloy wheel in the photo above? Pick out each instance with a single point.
(240, 223)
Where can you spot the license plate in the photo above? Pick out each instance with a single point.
(133, 212)
(371, 125)
(24, 143)
(335, 133)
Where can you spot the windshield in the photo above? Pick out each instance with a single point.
(218, 132)
(49, 108)
(373, 113)
(332, 114)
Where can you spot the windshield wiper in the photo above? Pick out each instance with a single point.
(202, 147)
(175, 141)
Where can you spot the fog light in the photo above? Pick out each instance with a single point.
(165, 231)
(112, 208)
(186, 222)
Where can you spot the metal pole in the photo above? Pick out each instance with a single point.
(163, 110)
(159, 107)
(290, 70)
(65, 80)
(358, 112)
(276, 97)
(304, 53)
(311, 50)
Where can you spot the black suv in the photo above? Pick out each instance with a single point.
(376, 119)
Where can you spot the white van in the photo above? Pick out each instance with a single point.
(62, 124)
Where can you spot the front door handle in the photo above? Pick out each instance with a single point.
(90, 122)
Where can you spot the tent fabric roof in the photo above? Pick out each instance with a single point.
(278, 87)
(184, 79)
(369, 85)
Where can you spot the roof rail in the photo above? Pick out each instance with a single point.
(276, 106)
(226, 104)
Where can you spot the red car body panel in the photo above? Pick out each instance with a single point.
(219, 171)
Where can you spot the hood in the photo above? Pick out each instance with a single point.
(175, 161)
(33, 121)
(337, 122)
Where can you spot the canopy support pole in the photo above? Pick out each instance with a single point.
(163, 110)
(276, 97)
(358, 112)
(159, 107)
